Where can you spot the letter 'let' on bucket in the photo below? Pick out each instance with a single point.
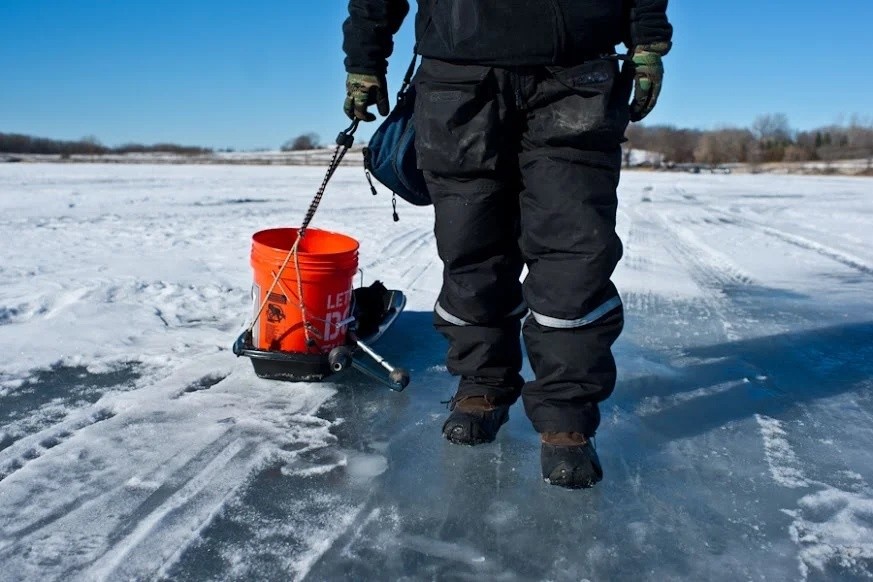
(328, 262)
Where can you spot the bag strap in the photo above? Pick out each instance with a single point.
(410, 71)
(407, 79)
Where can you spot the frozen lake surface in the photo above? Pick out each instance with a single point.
(135, 446)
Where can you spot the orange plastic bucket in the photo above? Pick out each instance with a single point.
(328, 263)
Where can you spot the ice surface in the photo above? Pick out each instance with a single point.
(134, 446)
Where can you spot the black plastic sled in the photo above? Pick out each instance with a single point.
(375, 309)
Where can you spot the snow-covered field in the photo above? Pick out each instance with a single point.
(135, 446)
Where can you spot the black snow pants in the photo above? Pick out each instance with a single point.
(523, 166)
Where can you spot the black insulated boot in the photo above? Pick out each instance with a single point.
(474, 420)
(569, 460)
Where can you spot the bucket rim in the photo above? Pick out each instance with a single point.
(353, 245)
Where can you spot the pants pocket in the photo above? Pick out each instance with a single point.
(586, 106)
(456, 118)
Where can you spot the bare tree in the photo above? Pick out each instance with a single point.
(860, 134)
(773, 133)
(809, 142)
(306, 141)
(677, 145)
(89, 145)
(725, 145)
(773, 127)
(709, 150)
(796, 153)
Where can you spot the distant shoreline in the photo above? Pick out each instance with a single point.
(321, 158)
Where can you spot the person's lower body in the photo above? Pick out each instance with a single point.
(523, 167)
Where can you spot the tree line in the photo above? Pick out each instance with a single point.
(16, 143)
(769, 139)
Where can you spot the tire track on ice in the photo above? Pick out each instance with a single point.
(714, 269)
(225, 447)
(408, 255)
(402, 247)
(714, 275)
(827, 251)
(30, 448)
(823, 250)
(136, 491)
(645, 306)
(711, 277)
(135, 548)
(830, 524)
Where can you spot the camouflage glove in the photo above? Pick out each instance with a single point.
(648, 78)
(363, 91)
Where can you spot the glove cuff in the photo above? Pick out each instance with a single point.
(659, 48)
(365, 79)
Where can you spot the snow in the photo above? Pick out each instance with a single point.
(636, 157)
(134, 445)
(783, 463)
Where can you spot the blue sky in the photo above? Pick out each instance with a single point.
(253, 74)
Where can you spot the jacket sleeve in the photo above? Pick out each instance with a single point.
(368, 34)
(649, 24)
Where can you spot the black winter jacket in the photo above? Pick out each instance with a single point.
(503, 32)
